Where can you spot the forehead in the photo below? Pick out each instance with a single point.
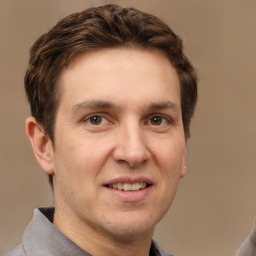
(121, 74)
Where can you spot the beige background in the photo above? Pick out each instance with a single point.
(215, 204)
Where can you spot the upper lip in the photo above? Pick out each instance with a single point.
(129, 180)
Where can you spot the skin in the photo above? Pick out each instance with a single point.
(119, 118)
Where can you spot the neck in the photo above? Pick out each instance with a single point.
(97, 242)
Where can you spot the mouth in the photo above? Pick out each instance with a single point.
(128, 186)
(127, 189)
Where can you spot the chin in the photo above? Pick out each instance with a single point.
(132, 233)
(133, 226)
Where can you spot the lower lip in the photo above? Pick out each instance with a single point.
(130, 196)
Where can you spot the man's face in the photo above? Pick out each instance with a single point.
(119, 149)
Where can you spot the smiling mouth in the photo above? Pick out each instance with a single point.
(129, 186)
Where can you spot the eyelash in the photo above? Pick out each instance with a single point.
(164, 119)
(88, 118)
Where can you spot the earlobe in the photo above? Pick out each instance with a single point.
(41, 144)
(183, 170)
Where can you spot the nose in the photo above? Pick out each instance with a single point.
(131, 147)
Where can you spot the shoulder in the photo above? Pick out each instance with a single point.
(16, 251)
(248, 248)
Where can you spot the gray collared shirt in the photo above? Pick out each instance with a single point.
(42, 238)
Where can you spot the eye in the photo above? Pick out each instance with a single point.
(96, 120)
(157, 120)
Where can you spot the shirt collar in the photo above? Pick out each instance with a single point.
(41, 237)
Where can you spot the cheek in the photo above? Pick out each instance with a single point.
(73, 174)
(81, 156)
(171, 164)
(170, 156)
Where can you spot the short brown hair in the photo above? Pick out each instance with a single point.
(108, 26)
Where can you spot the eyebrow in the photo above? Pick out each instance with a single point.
(164, 105)
(109, 105)
(93, 104)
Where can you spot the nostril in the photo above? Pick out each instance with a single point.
(132, 164)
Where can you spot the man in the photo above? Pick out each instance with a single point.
(111, 96)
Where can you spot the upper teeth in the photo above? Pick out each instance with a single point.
(129, 186)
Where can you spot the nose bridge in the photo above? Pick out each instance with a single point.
(131, 144)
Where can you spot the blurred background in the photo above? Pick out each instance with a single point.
(216, 202)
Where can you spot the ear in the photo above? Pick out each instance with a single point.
(41, 144)
(183, 170)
